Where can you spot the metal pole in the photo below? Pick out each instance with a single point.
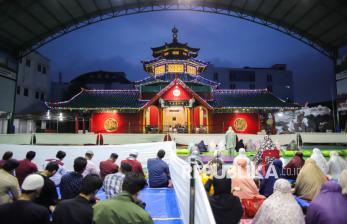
(192, 193)
(57, 125)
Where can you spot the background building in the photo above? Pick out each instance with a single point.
(341, 85)
(33, 88)
(8, 70)
(277, 79)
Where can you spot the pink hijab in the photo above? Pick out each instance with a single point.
(243, 185)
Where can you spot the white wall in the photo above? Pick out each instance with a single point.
(33, 80)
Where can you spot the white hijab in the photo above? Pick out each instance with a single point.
(320, 160)
(280, 207)
(336, 165)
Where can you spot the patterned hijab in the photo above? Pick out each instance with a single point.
(280, 207)
(267, 144)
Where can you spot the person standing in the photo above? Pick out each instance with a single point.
(158, 171)
(71, 182)
(24, 210)
(26, 167)
(135, 164)
(230, 140)
(61, 171)
(49, 195)
(79, 210)
(91, 167)
(113, 182)
(123, 208)
(109, 166)
(9, 187)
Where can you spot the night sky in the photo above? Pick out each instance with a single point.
(120, 44)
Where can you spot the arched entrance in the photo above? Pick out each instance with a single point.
(151, 119)
(200, 120)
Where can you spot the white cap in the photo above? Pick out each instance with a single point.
(134, 153)
(33, 182)
(90, 152)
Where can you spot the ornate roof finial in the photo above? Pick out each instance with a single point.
(174, 34)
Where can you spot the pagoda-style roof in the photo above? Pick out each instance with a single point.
(129, 100)
(248, 99)
(101, 100)
(175, 49)
(167, 78)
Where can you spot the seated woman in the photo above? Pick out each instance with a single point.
(226, 207)
(266, 153)
(243, 185)
(336, 165)
(242, 154)
(280, 207)
(320, 160)
(343, 182)
(213, 167)
(309, 181)
(202, 147)
(293, 167)
(274, 171)
(329, 206)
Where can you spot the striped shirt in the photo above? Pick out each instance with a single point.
(113, 184)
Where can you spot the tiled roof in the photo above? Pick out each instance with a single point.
(101, 99)
(184, 77)
(261, 99)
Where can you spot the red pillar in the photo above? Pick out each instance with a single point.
(76, 123)
(83, 125)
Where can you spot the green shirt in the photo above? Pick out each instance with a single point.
(120, 210)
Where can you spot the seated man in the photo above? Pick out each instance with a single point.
(24, 210)
(79, 209)
(71, 182)
(135, 164)
(109, 166)
(113, 182)
(123, 208)
(158, 171)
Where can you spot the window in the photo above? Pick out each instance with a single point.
(42, 96)
(44, 69)
(215, 76)
(37, 95)
(28, 62)
(269, 88)
(232, 76)
(26, 92)
(252, 86)
(269, 77)
(18, 90)
(232, 86)
(252, 77)
(39, 67)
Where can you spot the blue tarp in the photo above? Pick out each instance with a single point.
(161, 204)
(302, 202)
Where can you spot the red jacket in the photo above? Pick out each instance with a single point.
(107, 167)
(25, 168)
(136, 165)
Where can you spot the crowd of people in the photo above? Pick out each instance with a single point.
(55, 195)
(264, 189)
